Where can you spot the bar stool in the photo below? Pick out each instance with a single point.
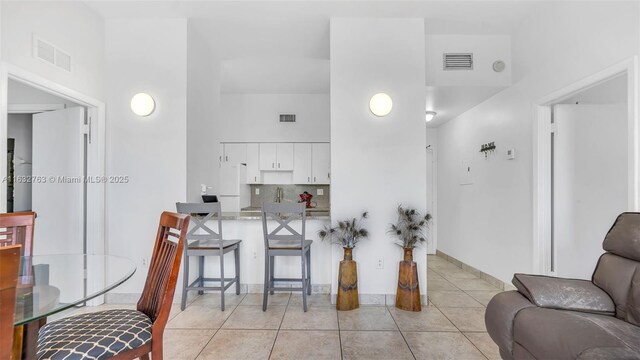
(291, 244)
(207, 243)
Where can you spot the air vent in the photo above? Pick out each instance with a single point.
(48, 52)
(458, 61)
(287, 118)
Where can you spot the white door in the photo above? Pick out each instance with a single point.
(321, 163)
(302, 163)
(268, 157)
(58, 189)
(253, 164)
(285, 157)
(58, 192)
(590, 183)
(235, 153)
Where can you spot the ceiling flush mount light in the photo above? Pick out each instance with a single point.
(380, 104)
(142, 104)
(429, 115)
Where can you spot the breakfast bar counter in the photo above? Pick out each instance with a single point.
(247, 226)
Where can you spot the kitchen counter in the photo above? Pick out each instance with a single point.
(255, 213)
(247, 226)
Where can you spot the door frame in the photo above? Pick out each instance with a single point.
(542, 153)
(95, 154)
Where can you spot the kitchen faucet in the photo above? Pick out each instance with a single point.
(278, 194)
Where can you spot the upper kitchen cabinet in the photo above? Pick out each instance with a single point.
(321, 163)
(276, 157)
(285, 156)
(234, 153)
(254, 176)
(268, 157)
(302, 169)
(312, 163)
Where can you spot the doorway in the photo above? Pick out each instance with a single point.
(84, 156)
(46, 147)
(585, 170)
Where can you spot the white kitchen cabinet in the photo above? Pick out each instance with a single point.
(276, 157)
(254, 176)
(235, 153)
(284, 156)
(321, 163)
(268, 157)
(302, 169)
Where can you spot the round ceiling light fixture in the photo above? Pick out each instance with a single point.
(142, 104)
(429, 115)
(380, 104)
(499, 66)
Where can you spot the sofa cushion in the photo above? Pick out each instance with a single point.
(565, 294)
(559, 334)
(623, 238)
(620, 278)
(98, 335)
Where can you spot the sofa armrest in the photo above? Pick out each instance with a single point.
(500, 317)
(564, 294)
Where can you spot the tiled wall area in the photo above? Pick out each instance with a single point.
(291, 194)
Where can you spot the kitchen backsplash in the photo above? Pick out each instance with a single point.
(291, 193)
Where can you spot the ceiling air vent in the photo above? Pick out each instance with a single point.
(287, 118)
(48, 52)
(458, 61)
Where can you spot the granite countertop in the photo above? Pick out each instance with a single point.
(254, 213)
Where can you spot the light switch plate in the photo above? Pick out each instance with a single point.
(320, 192)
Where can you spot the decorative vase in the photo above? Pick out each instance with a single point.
(408, 294)
(347, 283)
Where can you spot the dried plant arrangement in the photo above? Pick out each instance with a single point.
(410, 227)
(347, 233)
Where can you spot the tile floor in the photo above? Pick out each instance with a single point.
(451, 327)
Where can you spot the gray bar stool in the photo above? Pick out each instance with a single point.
(292, 243)
(207, 242)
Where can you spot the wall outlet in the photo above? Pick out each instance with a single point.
(257, 191)
(380, 264)
(255, 254)
(144, 262)
(320, 192)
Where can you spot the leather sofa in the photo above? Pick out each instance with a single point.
(555, 318)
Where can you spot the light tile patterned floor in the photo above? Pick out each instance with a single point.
(451, 327)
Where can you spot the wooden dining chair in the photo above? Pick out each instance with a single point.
(9, 268)
(125, 334)
(17, 229)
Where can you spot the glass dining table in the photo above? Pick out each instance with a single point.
(50, 284)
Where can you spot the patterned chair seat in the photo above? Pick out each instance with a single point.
(96, 336)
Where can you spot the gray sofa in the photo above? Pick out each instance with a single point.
(554, 318)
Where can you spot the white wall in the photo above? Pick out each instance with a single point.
(377, 163)
(150, 56)
(20, 127)
(485, 48)
(488, 224)
(256, 117)
(203, 107)
(613, 91)
(69, 25)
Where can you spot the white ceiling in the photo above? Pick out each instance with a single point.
(283, 46)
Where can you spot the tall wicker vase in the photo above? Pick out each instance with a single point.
(408, 293)
(347, 283)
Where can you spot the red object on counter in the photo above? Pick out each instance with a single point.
(305, 197)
